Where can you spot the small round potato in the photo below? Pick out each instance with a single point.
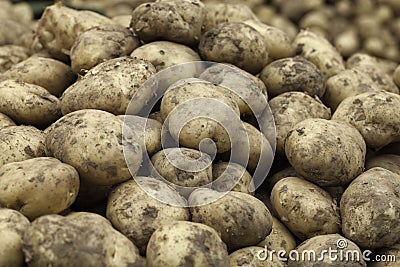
(253, 257)
(231, 177)
(11, 55)
(306, 209)
(23, 183)
(183, 243)
(5, 121)
(387, 161)
(242, 219)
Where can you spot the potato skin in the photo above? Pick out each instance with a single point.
(231, 177)
(11, 55)
(194, 245)
(5, 121)
(248, 256)
(370, 209)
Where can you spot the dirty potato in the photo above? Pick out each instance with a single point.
(231, 177)
(5, 121)
(251, 256)
(11, 55)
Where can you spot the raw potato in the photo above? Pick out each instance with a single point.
(23, 183)
(51, 74)
(351, 255)
(123, 20)
(391, 254)
(137, 214)
(5, 121)
(304, 208)
(378, 126)
(231, 177)
(20, 34)
(110, 86)
(164, 54)
(370, 209)
(29, 104)
(236, 43)
(396, 76)
(11, 55)
(53, 240)
(99, 44)
(347, 42)
(175, 21)
(293, 74)
(19, 143)
(193, 244)
(250, 256)
(242, 219)
(386, 161)
(291, 108)
(314, 145)
(91, 141)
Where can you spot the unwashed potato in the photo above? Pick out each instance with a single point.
(312, 148)
(54, 240)
(293, 74)
(304, 208)
(231, 177)
(236, 43)
(252, 257)
(360, 59)
(137, 214)
(91, 141)
(51, 74)
(5, 121)
(20, 34)
(23, 183)
(347, 42)
(242, 219)
(11, 55)
(193, 244)
(19, 143)
(390, 254)
(378, 126)
(386, 161)
(165, 54)
(396, 76)
(370, 209)
(109, 86)
(172, 20)
(29, 104)
(99, 44)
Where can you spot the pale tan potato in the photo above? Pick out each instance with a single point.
(378, 126)
(99, 44)
(242, 219)
(137, 214)
(20, 34)
(23, 184)
(11, 55)
(29, 104)
(5, 121)
(362, 59)
(23, 12)
(291, 108)
(347, 42)
(252, 4)
(51, 74)
(304, 208)
(236, 43)
(295, 9)
(123, 20)
(293, 74)
(193, 244)
(175, 21)
(230, 176)
(157, 117)
(387, 161)
(370, 209)
(109, 86)
(396, 76)
(276, 177)
(278, 21)
(252, 257)
(165, 54)
(19, 143)
(91, 141)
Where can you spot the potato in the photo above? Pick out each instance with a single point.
(242, 219)
(123, 20)
(322, 137)
(20, 34)
(19, 143)
(99, 44)
(134, 211)
(157, 117)
(370, 209)
(115, 80)
(313, 252)
(320, 52)
(304, 208)
(291, 108)
(251, 256)
(59, 26)
(27, 103)
(175, 21)
(276, 177)
(379, 127)
(390, 254)
(362, 59)
(164, 54)
(194, 245)
(64, 241)
(11, 55)
(231, 177)
(295, 9)
(5, 121)
(293, 74)
(236, 43)
(386, 161)
(91, 141)
(23, 184)
(347, 42)
(396, 76)
(51, 74)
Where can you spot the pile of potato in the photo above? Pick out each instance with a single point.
(87, 180)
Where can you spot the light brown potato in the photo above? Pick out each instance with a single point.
(23, 184)
(347, 42)
(5, 121)
(91, 141)
(231, 177)
(99, 44)
(250, 256)
(379, 127)
(11, 55)
(387, 161)
(20, 34)
(242, 219)
(304, 208)
(29, 104)
(295, 9)
(293, 74)
(110, 86)
(137, 214)
(370, 209)
(361, 59)
(165, 54)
